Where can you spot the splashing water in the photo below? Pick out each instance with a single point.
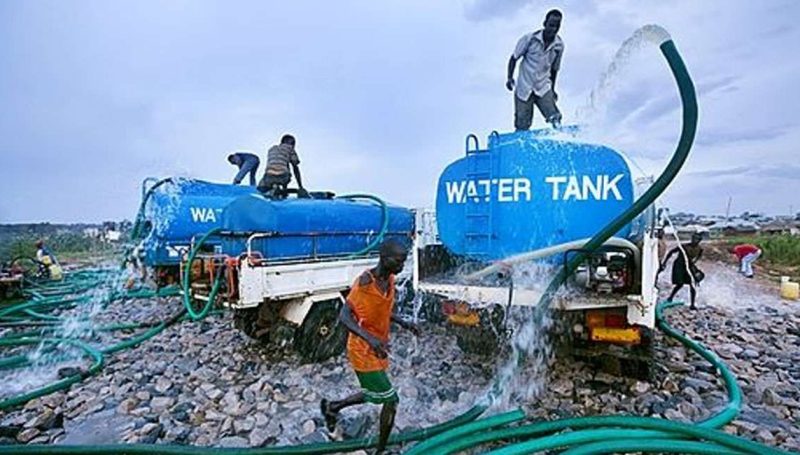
(601, 93)
(47, 358)
(163, 213)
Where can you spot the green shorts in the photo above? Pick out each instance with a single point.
(376, 387)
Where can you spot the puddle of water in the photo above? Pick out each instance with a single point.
(104, 427)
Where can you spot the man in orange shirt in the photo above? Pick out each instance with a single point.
(367, 316)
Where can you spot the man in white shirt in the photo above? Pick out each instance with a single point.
(541, 53)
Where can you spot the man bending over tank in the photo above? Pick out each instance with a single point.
(367, 316)
(277, 175)
(541, 53)
(247, 164)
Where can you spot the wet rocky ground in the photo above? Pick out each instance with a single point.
(204, 383)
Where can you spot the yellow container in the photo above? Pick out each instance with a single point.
(790, 290)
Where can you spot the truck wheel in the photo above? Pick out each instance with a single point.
(245, 320)
(322, 335)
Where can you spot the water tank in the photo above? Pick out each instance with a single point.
(303, 229)
(528, 190)
(180, 209)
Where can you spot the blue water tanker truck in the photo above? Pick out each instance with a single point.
(535, 198)
(281, 263)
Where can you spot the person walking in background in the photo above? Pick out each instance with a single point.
(541, 53)
(247, 163)
(684, 269)
(747, 254)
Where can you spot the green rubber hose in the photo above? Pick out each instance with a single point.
(384, 221)
(187, 276)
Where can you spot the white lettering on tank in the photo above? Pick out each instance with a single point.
(573, 190)
(455, 191)
(505, 188)
(586, 187)
(203, 214)
(555, 181)
(522, 186)
(611, 186)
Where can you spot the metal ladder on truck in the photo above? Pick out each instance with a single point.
(478, 207)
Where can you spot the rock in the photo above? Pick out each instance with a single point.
(699, 385)
(259, 438)
(66, 372)
(233, 441)
(605, 378)
(159, 404)
(163, 384)
(355, 427)
(261, 419)
(750, 354)
(309, 427)
(143, 395)
(673, 414)
(765, 436)
(770, 397)
(244, 425)
(562, 387)
(139, 412)
(178, 434)
(640, 387)
(181, 411)
(669, 385)
(28, 434)
(214, 415)
(47, 420)
(227, 426)
(126, 405)
(730, 350)
(150, 433)
(315, 437)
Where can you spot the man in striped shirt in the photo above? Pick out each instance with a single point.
(277, 175)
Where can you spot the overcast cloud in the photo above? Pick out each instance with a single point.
(97, 95)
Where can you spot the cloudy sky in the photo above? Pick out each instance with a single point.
(97, 95)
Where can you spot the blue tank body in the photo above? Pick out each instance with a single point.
(310, 228)
(529, 190)
(182, 209)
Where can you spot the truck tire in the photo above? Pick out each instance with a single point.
(245, 320)
(321, 336)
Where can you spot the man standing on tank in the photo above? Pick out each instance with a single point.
(541, 53)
